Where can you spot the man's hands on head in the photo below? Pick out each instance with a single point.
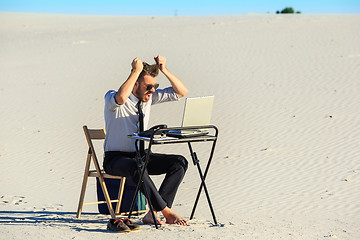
(161, 61)
(137, 65)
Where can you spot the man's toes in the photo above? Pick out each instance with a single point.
(181, 222)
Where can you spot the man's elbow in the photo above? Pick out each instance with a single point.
(119, 99)
(183, 93)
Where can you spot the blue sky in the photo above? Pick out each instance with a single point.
(181, 7)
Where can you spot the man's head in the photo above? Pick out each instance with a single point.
(146, 82)
(152, 70)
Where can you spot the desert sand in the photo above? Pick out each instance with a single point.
(286, 87)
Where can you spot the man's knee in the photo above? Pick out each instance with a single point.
(181, 160)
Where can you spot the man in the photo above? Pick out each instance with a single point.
(122, 108)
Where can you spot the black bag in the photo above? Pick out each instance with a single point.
(113, 189)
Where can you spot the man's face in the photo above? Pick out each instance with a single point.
(140, 88)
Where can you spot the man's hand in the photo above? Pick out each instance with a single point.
(176, 83)
(126, 88)
(137, 65)
(161, 61)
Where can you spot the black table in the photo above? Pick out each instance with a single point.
(153, 140)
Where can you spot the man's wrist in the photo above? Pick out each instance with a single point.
(135, 71)
(164, 70)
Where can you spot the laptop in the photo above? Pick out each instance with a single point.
(197, 112)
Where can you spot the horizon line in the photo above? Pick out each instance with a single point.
(145, 15)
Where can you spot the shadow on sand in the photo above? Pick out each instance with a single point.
(91, 222)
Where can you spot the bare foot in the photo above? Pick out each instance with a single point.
(172, 218)
(177, 221)
(148, 219)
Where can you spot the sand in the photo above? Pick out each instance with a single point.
(287, 163)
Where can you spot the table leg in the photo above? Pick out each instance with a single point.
(145, 189)
(197, 163)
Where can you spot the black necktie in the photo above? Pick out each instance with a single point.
(141, 127)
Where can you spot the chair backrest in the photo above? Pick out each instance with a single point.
(93, 134)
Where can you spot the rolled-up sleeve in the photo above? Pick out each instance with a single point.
(164, 95)
(110, 103)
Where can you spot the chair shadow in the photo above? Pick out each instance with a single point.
(90, 222)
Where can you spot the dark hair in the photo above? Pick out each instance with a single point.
(152, 70)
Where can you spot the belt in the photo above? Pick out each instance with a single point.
(111, 154)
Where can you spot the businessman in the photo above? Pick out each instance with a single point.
(127, 110)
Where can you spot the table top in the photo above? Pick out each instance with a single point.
(168, 140)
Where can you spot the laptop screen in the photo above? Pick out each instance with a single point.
(197, 111)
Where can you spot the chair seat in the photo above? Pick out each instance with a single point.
(93, 173)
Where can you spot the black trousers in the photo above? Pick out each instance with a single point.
(174, 166)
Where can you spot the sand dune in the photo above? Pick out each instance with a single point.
(287, 101)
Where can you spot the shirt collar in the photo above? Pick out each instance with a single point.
(136, 100)
(133, 98)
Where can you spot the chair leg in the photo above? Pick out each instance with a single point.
(120, 195)
(83, 188)
(107, 197)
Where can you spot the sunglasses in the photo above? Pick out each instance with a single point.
(150, 86)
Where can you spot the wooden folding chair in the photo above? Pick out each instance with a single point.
(99, 173)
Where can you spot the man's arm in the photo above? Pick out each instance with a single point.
(178, 86)
(126, 88)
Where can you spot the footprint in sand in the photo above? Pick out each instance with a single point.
(11, 200)
(52, 207)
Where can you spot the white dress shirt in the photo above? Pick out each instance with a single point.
(123, 120)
